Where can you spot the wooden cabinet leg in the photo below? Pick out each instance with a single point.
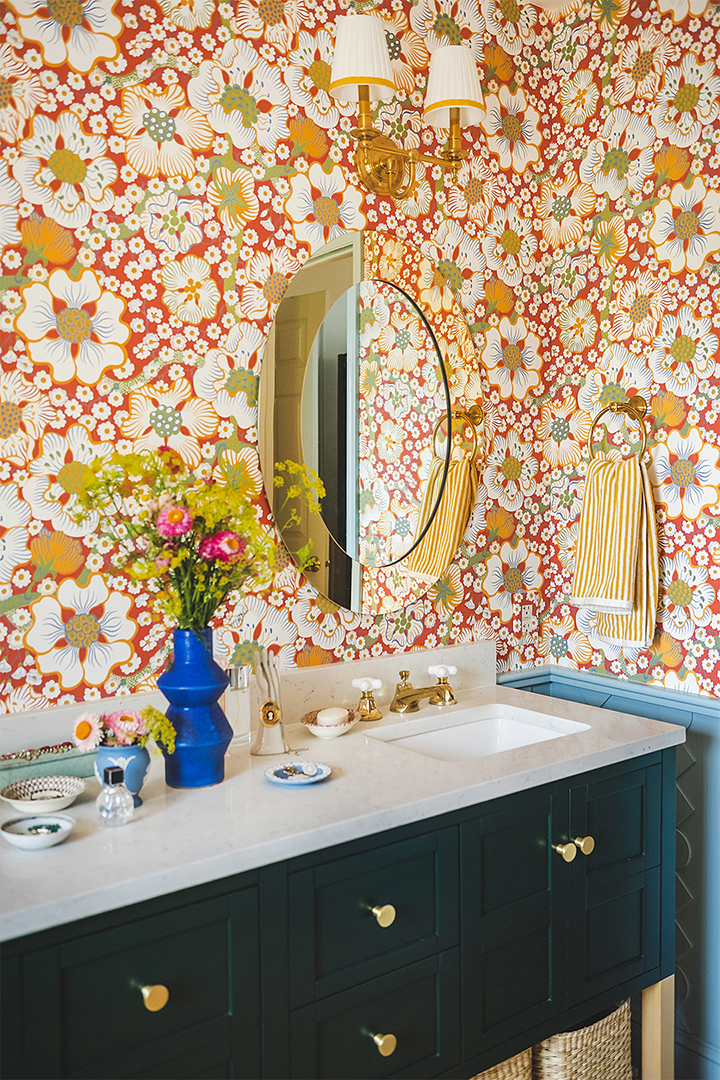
(658, 1030)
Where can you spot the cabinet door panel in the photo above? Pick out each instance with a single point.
(206, 954)
(513, 918)
(419, 1005)
(614, 891)
(335, 939)
(620, 938)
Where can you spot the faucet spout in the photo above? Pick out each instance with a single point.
(407, 697)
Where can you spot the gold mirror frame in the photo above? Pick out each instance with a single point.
(365, 256)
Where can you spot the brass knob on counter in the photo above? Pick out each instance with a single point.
(385, 1043)
(155, 997)
(385, 915)
(586, 844)
(568, 851)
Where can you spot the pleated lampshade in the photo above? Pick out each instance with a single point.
(453, 82)
(361, 56)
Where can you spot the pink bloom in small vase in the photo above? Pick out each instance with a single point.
(125, 728)
(174, 521)
(226, 546)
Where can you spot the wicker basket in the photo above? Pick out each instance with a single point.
(598, 1052)
(515, 1068)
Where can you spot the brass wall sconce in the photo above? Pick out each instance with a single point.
(361, 72)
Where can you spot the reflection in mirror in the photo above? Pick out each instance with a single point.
(353, 386)
(373, 391)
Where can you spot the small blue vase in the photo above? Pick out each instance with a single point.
(192, 684)
(133, 760)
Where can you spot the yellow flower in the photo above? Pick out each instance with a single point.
(666, 651)
(499, 296)
(667, 409)
(500, 523)
(45, 239)
(672, 163)
(54, 552)
(498, 64)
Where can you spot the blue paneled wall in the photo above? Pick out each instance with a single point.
(697, 1010)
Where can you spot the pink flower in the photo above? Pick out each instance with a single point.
(174, 521)
(226, 546)
(125, 728)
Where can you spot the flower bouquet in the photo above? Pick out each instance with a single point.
(121, 738)
(192, 538)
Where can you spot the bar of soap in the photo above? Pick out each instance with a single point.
(332, 717)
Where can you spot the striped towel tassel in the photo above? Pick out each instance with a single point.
(431, 558)
(617, 557)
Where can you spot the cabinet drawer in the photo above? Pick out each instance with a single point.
(206, 954)
(418, 1005)
(337, 941)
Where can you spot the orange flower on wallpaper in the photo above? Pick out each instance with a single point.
(500, 523)
(309, 139)
(667, 410)
(45, 239)
(666, 651)
(56, 553)
(498, 65)
(499, 296)
(313, 656)
(671, 163)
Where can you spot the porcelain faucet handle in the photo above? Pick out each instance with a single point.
(442, 670)
(367, 684)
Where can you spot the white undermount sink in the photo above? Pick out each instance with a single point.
(476, 732)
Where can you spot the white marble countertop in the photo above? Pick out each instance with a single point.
(180, 838)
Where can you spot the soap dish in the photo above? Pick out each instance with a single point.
(328, 732)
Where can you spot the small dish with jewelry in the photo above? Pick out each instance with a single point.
(37, 832)
(297, 773)
(324, 731)
(43, 794)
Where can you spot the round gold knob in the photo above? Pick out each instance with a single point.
(156, 997)
(385, 1043)
(568, 851)
(385, 915)
(586, 844)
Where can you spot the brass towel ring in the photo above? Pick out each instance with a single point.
(636, 407)
(473, 417)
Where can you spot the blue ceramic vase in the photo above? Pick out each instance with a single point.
(192, 684)
(133, 760)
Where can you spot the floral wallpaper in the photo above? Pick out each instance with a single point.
(166, 167)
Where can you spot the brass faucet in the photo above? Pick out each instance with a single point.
(407, 697)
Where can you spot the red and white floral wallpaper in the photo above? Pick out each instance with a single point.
(166, 167)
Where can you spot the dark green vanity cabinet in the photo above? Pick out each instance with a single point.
(297, 971)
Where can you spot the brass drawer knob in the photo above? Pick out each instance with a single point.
(568, 851)
(385, 915)
(586, 844)
(155, 997)
(385, 1043)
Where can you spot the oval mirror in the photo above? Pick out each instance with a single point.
(354, 387)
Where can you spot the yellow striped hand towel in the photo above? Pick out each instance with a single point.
(431, 558)
(617, 558)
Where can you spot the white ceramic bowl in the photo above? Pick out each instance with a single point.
(43, 794)
(325, 731)
(21, 832)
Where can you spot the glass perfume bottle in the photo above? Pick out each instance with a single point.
(237, 704)
(114, 803)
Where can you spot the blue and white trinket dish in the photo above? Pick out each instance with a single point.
(297, 773)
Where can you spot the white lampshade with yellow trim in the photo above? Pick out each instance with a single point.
(361, 57)
(453, 82)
